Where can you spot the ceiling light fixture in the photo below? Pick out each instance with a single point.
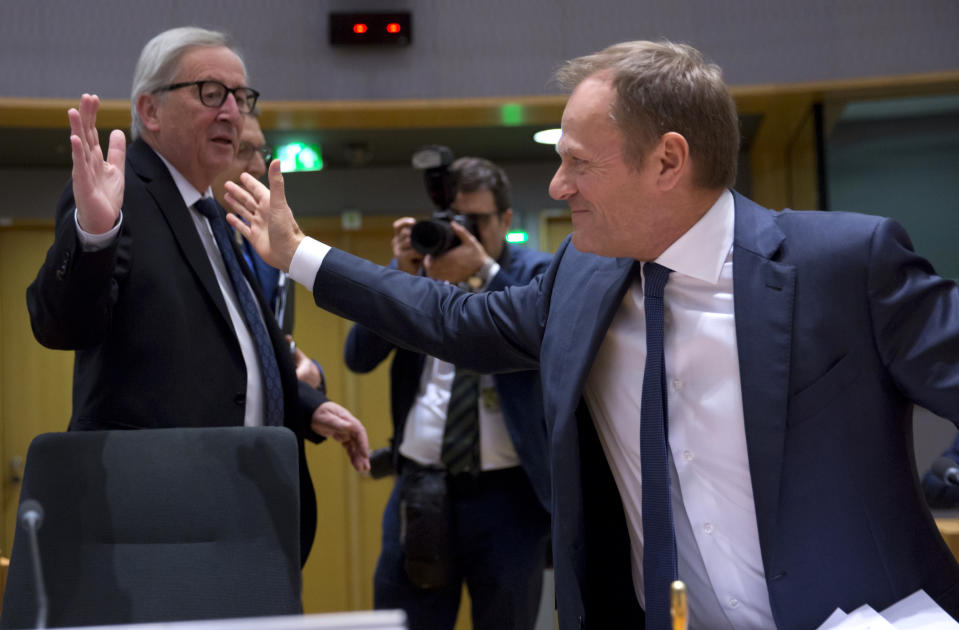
(547, 136)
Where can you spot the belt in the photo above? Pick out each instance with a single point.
(467, 482)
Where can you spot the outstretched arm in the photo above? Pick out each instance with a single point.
(267, 220)
(97, 183)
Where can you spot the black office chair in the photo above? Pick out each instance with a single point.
(159, 525)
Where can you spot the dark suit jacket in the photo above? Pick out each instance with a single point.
(154, 343)
(520, 393)
(840, 328)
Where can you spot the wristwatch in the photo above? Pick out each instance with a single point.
(481, 278)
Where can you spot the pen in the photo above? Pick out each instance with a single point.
(678, 605)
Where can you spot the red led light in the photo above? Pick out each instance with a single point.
(393, 28)
(359, 28)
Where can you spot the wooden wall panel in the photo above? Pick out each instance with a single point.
(35, 383)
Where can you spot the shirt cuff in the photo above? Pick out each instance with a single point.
(480, 281)
(306, 261)
(488, 271)
(96, 242)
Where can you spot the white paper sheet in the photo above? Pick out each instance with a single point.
(916, 612)
(919, 612)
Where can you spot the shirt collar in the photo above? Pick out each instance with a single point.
(190, 194)
(701, 252)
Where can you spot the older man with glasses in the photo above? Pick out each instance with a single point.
(144, 282)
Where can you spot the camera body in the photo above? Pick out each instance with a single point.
(435, 236)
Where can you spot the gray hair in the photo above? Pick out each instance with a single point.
(662, 87)
(160, 59)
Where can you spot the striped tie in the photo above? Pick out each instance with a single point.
(461, 437)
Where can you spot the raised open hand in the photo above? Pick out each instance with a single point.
(97, 183)
(267, 220)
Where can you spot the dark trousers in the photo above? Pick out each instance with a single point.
(499, 535)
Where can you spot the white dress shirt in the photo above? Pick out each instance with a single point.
(422, 439)
(717, 537)
(423, 432)
(253, 412)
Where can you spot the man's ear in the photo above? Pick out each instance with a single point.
(507, 218)
(673, 155)
(147, 109)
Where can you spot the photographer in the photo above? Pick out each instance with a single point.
(470, 450)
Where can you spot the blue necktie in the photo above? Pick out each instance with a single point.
(272, 386)
(659, 541)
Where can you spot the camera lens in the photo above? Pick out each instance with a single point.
(433, 236)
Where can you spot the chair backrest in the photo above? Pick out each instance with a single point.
(160, 525)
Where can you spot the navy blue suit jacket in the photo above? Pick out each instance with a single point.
(840, 327)
(520, 393)
(155, 346)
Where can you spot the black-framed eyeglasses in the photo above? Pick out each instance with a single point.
(247, 151)
(481, 219)
(213, 94)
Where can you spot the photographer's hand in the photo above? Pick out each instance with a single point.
(407, 258)
(459, 263)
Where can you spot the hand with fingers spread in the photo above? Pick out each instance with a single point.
(336, 422)
(97, 183)
(267, 220)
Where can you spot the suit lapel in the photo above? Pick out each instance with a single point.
(764, 293)
(593, 289)
(159, 183)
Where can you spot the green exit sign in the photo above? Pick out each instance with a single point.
(298, 157)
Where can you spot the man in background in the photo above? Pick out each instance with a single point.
(475, 444)
(252, 156)
(142, 283)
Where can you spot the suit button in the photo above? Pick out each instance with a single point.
(239, 400)
(64, 265)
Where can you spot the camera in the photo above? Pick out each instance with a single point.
(435, 236)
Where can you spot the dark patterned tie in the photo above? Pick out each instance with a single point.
(461, 436)
(272, 386)
(659, 541)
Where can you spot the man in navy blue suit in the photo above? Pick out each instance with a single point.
(496, 516)
(794, 346)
